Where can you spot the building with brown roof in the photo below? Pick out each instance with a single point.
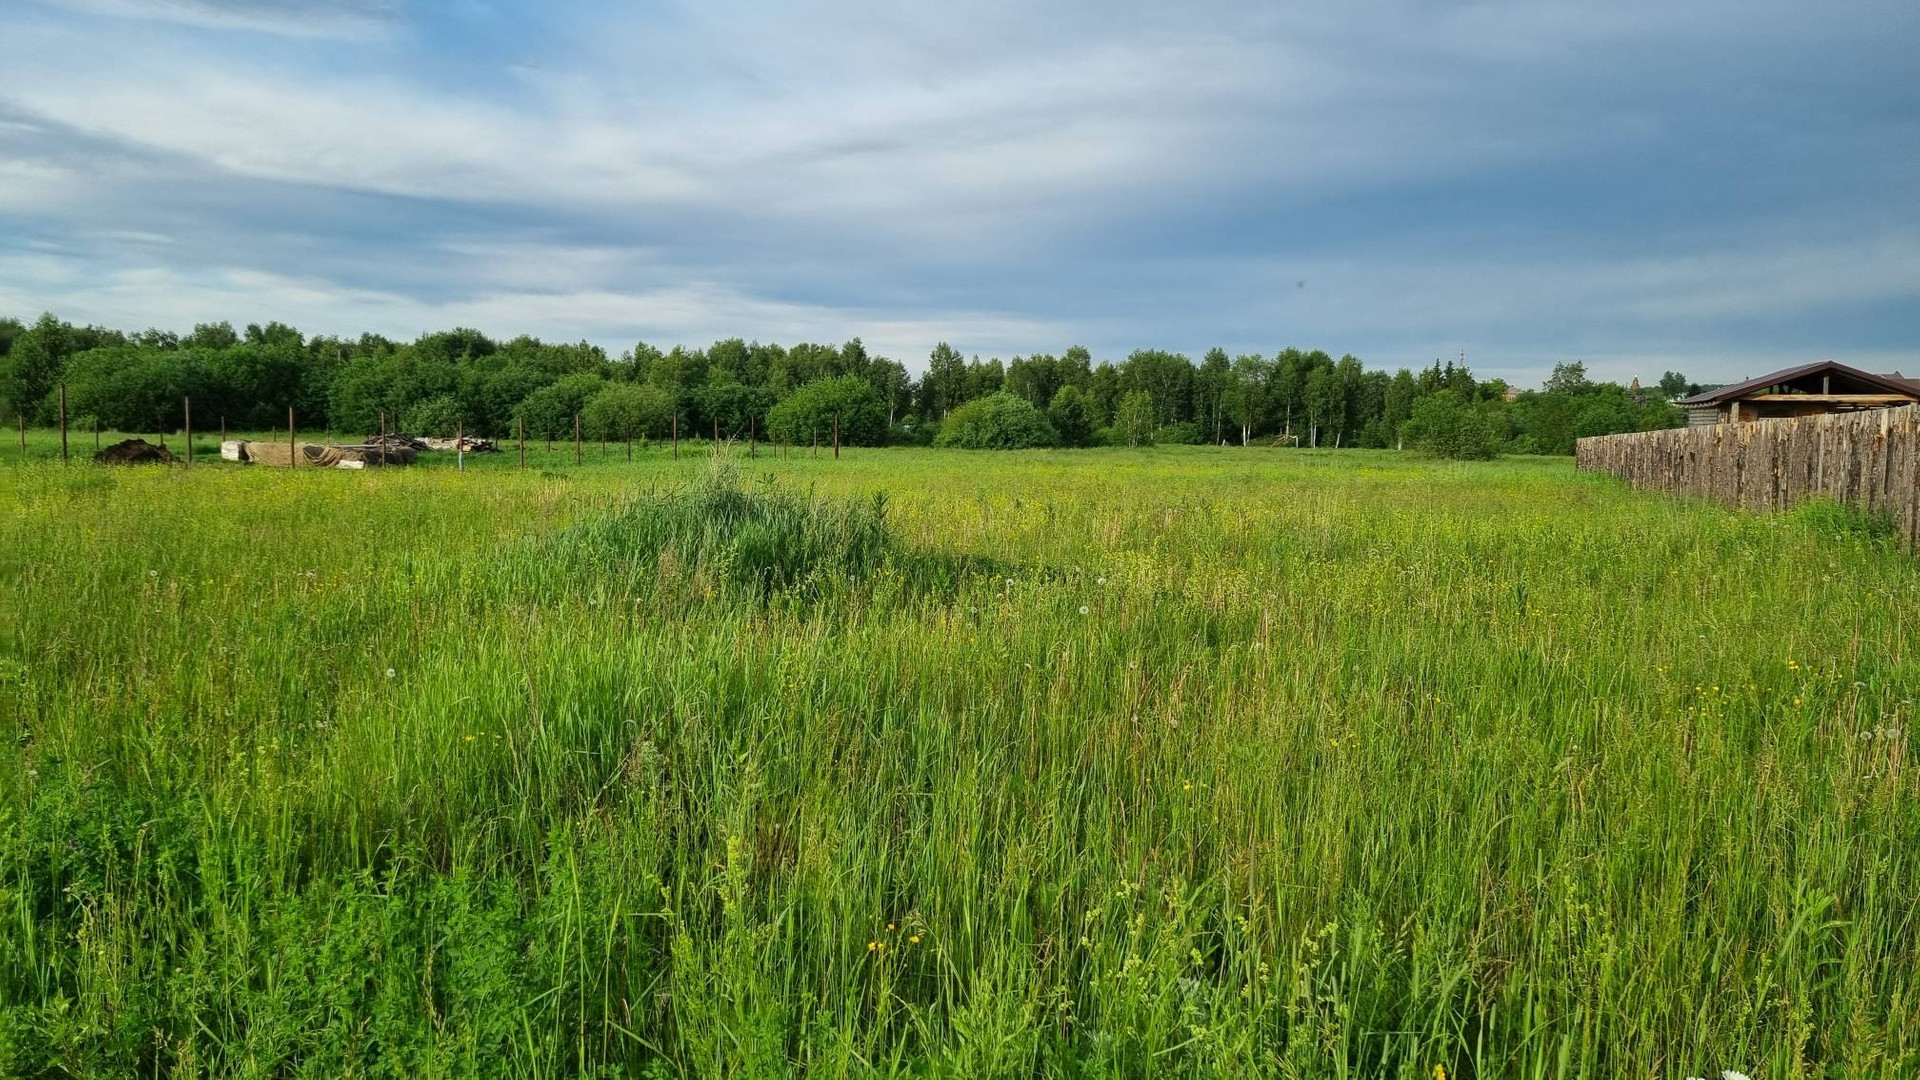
(1825, 386)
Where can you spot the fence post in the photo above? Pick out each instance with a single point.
(753, 436)
(186, 414)
(576, 438)
(459, 445)
(676, 434)
(293, 448)
(23, 435)
(63, 423)
(521, 426)
(836, 435)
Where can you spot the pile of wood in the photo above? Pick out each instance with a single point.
(470, 444)
(396, 441)
(400, 440)
(316, 455)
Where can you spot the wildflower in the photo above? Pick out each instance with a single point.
(469, 738)
(153, 573)
(389, 673)
(889, 928)
(913, 939)
(1083, 609)
(1439, 1072)
(1188, 786)
(1100, 581)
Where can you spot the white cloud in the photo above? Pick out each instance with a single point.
(293, 18)
(694, 313)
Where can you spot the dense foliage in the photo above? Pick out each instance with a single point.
(846, 409)
(462, 379)
(999, 421)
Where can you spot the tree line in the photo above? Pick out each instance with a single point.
(464, 379)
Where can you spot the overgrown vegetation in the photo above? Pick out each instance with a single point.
(1286, 764)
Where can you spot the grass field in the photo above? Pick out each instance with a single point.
(1180, 762)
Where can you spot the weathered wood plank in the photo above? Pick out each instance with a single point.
(1870, 460)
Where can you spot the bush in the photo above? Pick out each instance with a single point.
(999, 421)
(808, 413)
(549, 411)
(437, 416)
(1071, 415)
(1180, 434)
(1445, 425)
(624, 410)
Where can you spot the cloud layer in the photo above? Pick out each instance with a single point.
(1640, 187)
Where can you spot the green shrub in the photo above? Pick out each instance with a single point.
(549, 411)
(1180, 434)
(624, 410)
(999, 421)
(807, 415)
(1447, 426)
(1071, 415)
(437, 416)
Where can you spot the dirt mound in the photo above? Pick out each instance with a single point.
(135, 452)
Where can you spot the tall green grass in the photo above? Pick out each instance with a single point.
(1134, 763)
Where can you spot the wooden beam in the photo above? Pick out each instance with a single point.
(1838, 399)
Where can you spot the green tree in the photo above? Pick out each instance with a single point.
(944, 386)
(438, 416)
(1210, 381)
(624, 409)
(1071, 416)
(34, 364)
(1673, 385)
(1000, 421)
(1246, 393)
(1133, 418)
(1446, 425)
(549, 411)
(808, 414)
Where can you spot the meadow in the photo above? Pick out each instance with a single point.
(1140, 763)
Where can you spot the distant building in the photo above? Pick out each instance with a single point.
(1825, 386)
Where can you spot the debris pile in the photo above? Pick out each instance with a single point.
(395, 441)
(318, 455)
(470, 444)
(135, 452)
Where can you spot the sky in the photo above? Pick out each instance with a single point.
(1720, 187)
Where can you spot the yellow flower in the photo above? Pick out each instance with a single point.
(913, 939)
(1439, 1072)
(889, 928)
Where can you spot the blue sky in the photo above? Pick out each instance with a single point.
(1716, 187)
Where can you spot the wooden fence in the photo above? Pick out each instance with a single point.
(1868, 460)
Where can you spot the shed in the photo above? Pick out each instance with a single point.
(1825, 386)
